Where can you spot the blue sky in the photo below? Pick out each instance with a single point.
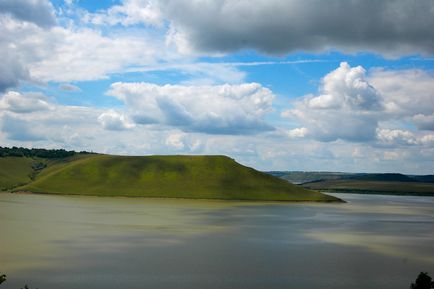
(277, 85)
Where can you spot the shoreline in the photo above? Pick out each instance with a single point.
(24, 192)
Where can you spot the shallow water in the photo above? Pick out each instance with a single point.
(71, 242)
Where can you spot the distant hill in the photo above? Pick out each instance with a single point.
(201, 177)
(364, 183)
(299, 177)
(387, 177)
(425, 179)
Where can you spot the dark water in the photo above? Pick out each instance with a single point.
(84, 243)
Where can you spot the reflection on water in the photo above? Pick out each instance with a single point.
(84, 242)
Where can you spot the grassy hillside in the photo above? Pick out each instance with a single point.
(15, 171)
(208, 177)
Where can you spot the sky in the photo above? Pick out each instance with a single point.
(275, 84)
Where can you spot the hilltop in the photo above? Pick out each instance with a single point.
(199, 177)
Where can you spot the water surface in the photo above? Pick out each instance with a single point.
(72, 242)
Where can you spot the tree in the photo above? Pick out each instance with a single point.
(423, 281)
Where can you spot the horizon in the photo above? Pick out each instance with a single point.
(192, 155)
(154, 77)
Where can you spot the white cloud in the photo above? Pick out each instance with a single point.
(400, 137)
(406, 94)
(427, 140)
(346, 88)
(377, 108)
(65, 54)
(347, 107)
(130, 12)
(86, 54)
(396, 136)
(24, 103)
(213, 109)
(113, 120)
(298, 132)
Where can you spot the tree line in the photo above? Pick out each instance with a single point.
(36, 152)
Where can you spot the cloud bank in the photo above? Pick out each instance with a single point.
(389, 27)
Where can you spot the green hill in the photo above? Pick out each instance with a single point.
(201, 177)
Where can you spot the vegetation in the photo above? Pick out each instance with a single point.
(204, 177)
(423, 281)
(3, 279)
(34, 152)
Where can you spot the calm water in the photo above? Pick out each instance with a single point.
(63, 242)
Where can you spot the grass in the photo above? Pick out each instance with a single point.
(204, 177)
(379, 187)
(15, 171)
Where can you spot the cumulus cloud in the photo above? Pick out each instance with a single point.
(346, 88)
(391, 27)
(377, 108)
(404, 137)
(346, 108)
(113, 120)
(213, 109)
(396, 136)
(39, 12)
(24, 103)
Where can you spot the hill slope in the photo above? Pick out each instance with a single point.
(15, 171)
(207, 177)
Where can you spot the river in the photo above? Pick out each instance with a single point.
(73, 242)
